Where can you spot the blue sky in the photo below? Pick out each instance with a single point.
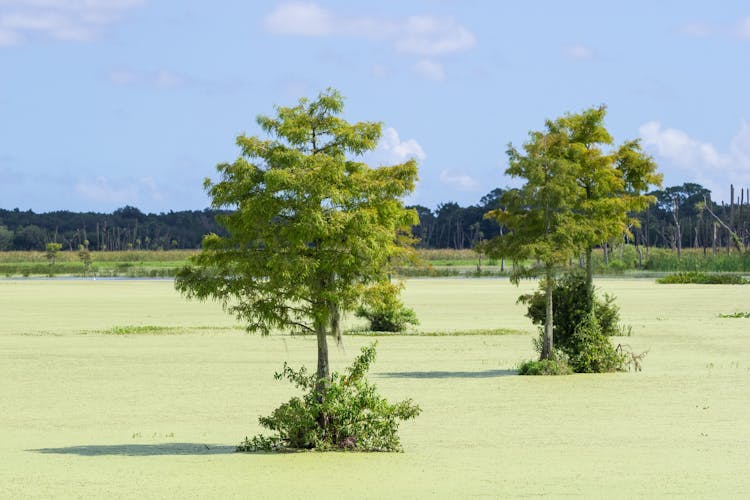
(106, 103)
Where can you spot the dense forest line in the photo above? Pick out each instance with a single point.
(682, 217)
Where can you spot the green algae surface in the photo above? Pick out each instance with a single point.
(122, 389)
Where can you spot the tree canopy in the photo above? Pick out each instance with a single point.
(540, 214)
(309, 225)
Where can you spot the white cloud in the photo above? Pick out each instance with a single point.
(692, 160)
(699, 29)
(417, 35)
(77, 20)
(462, 182)
(397, 150)
(677, 146)
(430, 70)
(300, 18)
(429, 36)
(577, 51)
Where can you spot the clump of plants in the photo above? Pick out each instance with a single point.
(583, 324)
(572, 303)
(592, 351)
(346, 413)
(735, 315)
(383, 308)
(694, 277)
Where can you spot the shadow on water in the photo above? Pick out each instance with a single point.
(140, 450)
(446, 374)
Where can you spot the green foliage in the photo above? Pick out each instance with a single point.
(736, 315)
(385, 311)
(351, 415)
(571, 305)
(550, 366)
(700, 278)
(308, 227)
(592, 350)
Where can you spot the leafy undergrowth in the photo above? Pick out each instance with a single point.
(699, 278)
(544, 367)
(350, 415)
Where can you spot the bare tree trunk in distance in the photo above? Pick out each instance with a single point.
(589, 270)
(677, 225)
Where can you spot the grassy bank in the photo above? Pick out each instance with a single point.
(433, 263)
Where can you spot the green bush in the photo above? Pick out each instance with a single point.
(351, 415)
(383, 308)
(593, 351)
(693, 277)
(571, 305)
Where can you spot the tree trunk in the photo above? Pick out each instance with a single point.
(323, 368)
(323, 373)
(548, 322)
(589, 270)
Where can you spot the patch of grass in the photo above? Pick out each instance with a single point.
(140, 330)
(156, 330)
(438, 333)
(700, 278)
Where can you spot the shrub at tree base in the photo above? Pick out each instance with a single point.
(544, 367)
(571, 305)
(348, 415)
(384, 310)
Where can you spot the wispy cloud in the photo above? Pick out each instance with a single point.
(162, 78)
(423, 35)
(742, 29)
(577, 52)
(698, 29)
(118, 191)
(701, 29)
(459, 181)
(700, 161)
(76, 20)
(430, 69)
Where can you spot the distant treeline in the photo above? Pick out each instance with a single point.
(682, 217)
(125, 229)
(679, 219)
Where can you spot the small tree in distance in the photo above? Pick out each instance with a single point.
(539, 216)
(309, 228)
(51, 253)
